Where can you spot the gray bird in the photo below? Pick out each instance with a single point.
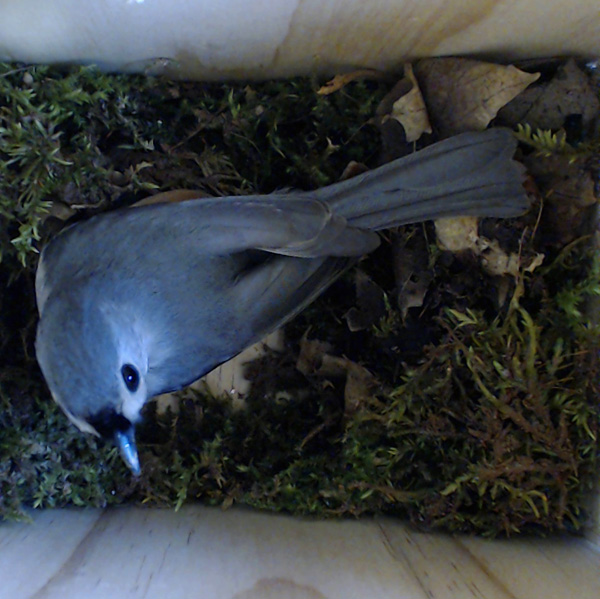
(142, 301)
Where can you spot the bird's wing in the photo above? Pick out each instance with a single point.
(290, 224)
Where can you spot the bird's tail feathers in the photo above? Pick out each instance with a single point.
(469, 174)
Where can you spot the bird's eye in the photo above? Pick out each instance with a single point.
(131, 377)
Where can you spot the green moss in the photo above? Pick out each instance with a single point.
(87, 139)
(481, 418)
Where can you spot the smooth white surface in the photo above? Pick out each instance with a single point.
(202, 553)
(266, 38)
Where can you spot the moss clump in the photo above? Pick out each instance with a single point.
(482, 415)
(89, 140)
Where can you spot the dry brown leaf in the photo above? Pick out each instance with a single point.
(370, 303)
(230, 378)
(359, 387)
(568, 189)
(546, 106)
(496, 261)
(311, 354)
(412, 272)
(177, 195)
(393, 135)
(64, 211)
(359, 381)
(393, 139)
(353, 169)
(410, 109)
(457, 234)
(339, 81)
(465, 95)
(536, 261)
(461, 233)
(60, 210)
(402, 115)
(314, 360)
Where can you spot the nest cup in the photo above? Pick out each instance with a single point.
(205, 552)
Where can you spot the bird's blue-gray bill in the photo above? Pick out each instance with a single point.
(125, 441)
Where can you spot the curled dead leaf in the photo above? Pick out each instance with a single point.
(465, 95)
(547, 105)
(314, 360)
(311, 355)
(359, 387)
(496, 261)
(412, 271)
(339, 81)
(410, 110)
(177, 195)
(353, 169)
(459, 234)
(370, 303)
(568, 188)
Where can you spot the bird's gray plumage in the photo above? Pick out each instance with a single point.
(176, 289)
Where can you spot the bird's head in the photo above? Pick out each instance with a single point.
(92, 356)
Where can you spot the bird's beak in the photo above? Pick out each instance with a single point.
(125, 441)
